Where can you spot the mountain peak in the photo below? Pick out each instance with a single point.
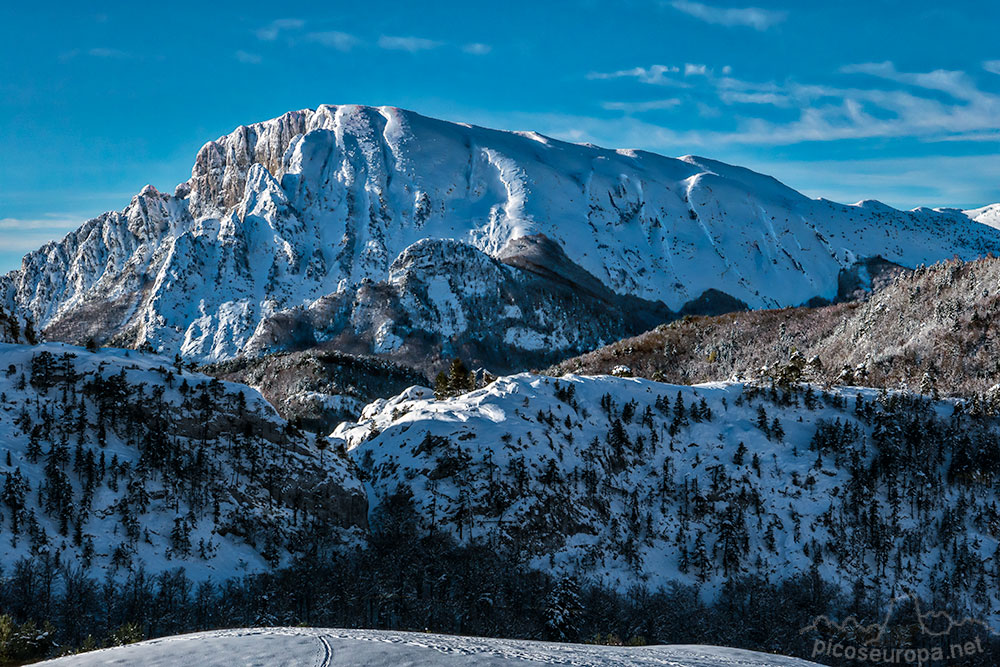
(281, 213)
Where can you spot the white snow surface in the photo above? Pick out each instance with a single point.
(280, 213)
(303, 647)
(987, 215)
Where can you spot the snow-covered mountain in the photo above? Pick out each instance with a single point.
(628, 481)
(315, 203)
(118, 461)
(328, 647)
(987, 215)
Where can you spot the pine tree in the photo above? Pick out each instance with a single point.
(777, 432)
(564, 611)
(460, 379)
(928, 384)
(762, 422)
(441, 390)
(700, 561)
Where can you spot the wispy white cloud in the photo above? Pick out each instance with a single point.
(21, 224)
(953, 82)
(411, 44)
(272, 30)
(656, 74)
(335, 39)
(295, 31)
(750, 17)
(477, 48)
(105, 52)
(900, 104)
(659, 75)
(741, 97)
(639, 107)
(248, 58)
(22, 235)
(992, 66)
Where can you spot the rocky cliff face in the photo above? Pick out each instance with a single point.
(314, 204)
(446, 298)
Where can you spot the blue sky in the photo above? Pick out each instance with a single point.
(893, 100)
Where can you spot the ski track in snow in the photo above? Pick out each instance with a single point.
(327, 652)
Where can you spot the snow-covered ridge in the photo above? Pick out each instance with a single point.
(987, 215)
(374, 648)
(281, 213)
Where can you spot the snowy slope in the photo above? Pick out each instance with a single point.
(280, 213)
(631, 481)
(116, 461)
(326, 648)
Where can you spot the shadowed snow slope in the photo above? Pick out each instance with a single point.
(281, 213)
(326, 648)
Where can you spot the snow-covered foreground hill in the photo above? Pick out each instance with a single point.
(305, 647)
(315, 203)
(628, 481)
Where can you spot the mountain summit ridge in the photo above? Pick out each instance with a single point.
(313, 203)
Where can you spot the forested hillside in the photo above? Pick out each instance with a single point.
(630, 482)
(115, 462)
(602, 509)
